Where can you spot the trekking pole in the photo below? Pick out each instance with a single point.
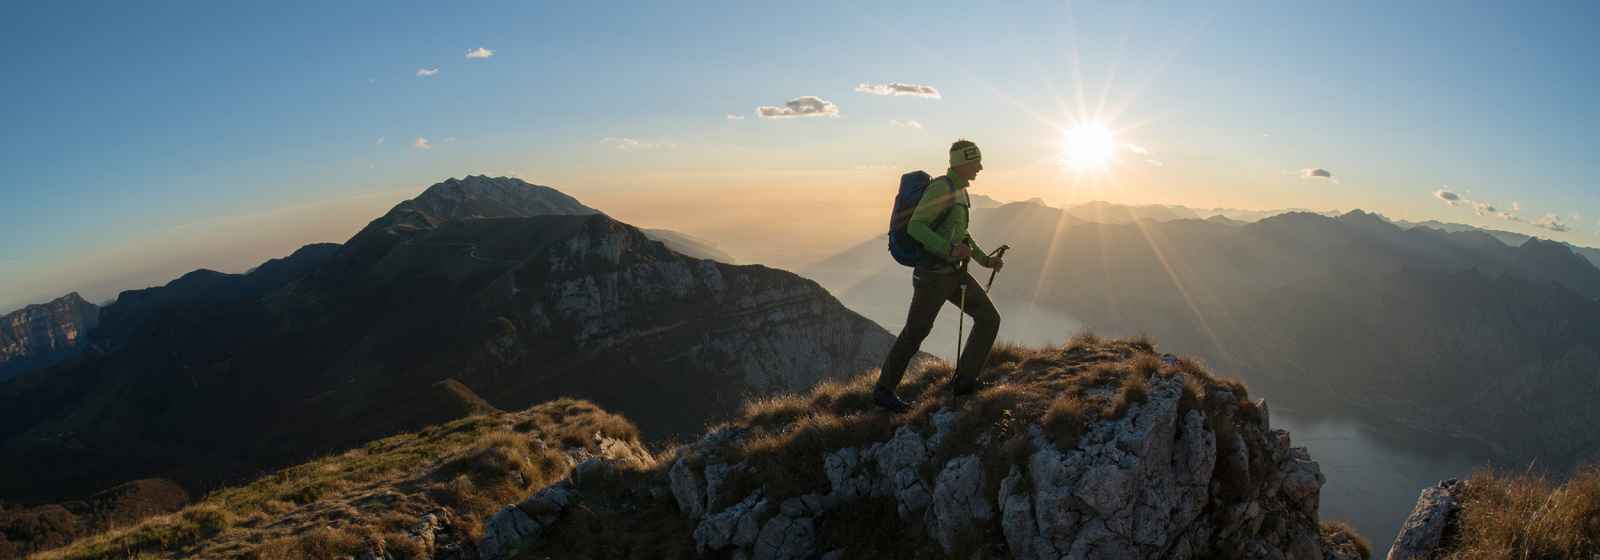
(961, 318)
(998, 253)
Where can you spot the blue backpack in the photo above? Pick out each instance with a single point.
(902, 246)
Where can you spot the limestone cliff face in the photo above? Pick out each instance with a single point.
(40, 335)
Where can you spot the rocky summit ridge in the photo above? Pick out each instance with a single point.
(1095, 449)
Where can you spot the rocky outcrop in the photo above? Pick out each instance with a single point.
(37, 336)
(516, 527)
(1424, 530)
(1162, 481)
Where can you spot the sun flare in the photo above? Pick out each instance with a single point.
(1089, 147)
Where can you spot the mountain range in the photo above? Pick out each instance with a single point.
(1451, 332)
(478, 286)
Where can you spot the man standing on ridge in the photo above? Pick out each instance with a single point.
(939, 224)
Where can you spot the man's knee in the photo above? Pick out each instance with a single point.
(915, 333)
(986, 318)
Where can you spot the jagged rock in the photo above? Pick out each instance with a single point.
(1422, 531)
(787, 538)
(1302, 477)
(1016, 516)
(505, 532)
(958, 501)
(843, 468)
(716, 478)
(688, 488)
(1157, 482)
(426, 531)
(736, 526)
(518, 527)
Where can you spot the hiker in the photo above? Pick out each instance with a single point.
(938, 225)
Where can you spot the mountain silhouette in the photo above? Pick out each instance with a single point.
(480, 289)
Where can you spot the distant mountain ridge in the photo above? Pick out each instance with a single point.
(466, 293)
(41, 335)
(1447, 332)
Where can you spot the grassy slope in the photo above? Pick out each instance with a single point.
(1527, 516)
(334, 505)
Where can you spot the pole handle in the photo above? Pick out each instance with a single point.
(1001, 252)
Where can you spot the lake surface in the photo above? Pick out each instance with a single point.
(1374, 473)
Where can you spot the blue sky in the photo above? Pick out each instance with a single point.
(129, 121)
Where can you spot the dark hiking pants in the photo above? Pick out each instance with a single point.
(930, 290)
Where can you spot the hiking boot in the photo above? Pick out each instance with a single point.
(964, 387)
(888, 400)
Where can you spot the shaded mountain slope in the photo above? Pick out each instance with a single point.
(516, 308)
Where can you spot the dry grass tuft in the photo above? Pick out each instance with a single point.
(1528, 516)
(1342, 536)
(1066, 420)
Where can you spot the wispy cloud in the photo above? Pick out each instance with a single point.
(907, 124)
(380, 140)
(427, 72)
(1141, 150)
(480, 52)
(1155, 162)
(1552, 222)
(806, 106)
(632, 144)
(422, 144)
(733, 117)
(897, 89)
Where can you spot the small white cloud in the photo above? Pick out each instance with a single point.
(631, 144)
(480, 52)
(380, 140)
(422, 144)
(427, 72)
(907, 124)
(1155, 162)
(1450, 197)
(1315, 173)
(895, 88)
(1141, 150)
(1516, 206)
(806, 106)
(1483, 208)
(733, 117)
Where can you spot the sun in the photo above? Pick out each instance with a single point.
(1089, 147)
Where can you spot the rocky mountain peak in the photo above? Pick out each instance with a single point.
(40, 335)
(481, 196)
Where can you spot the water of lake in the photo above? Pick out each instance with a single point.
(1374, 473)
